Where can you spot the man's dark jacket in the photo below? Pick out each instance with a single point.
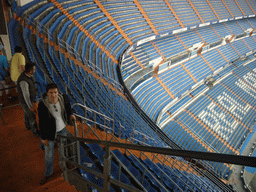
(47, 123)
(31, 85)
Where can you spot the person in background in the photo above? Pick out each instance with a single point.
(54, 113)
(4, 72)
(17, 64)
(27, 93)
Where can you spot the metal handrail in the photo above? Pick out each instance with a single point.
(216, 157)
(134, 132)
(174, 161)
(233, 159)
(17, 86)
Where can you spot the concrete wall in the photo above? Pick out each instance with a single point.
(252, 184)
(7, 47)
(23, 2)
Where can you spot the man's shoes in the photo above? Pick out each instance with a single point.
(44, 180)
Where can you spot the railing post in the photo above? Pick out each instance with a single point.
(77, 143)
(107, 168)
(82, 124)
(62, 161)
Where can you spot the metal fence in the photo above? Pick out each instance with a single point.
(83, 184)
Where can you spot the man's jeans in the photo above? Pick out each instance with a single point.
(49, 152)
(30, 119)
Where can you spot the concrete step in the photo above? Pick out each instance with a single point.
(57, 185)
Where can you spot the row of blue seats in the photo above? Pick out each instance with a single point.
(237, 88)
(120, 110)
(244, 25)
(233, 8)
(142, 94)
(149, 102)
(189, 38)
(208, 107)
(91, 55)
(198, 68)
(193, 38)
(169, 46)
(14, 39)
(233, 50)
(185, 12)
(215, 59)
(39, 74)
(88, 163)
(174, 108)
(125, 67)
(169, 177)
(227, 99)
(178, 133)
(228, 52)
(56, 26)
(220, 9)
(173, 78)
(189, 142)
(141, 91)
(241, 95)
(160, 16)
(58, 66)
(208, 35)
(249, 42)
(235, 28)
(204, 10)
(177, 80)
(221, 29)
(195, 127)
(245, 121)
(240, 47)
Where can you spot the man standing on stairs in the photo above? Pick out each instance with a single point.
(54, 113)
(27, 93)
(17, 64)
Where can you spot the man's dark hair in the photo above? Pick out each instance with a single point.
(51, 86)
(18, 49)
(29, 67)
